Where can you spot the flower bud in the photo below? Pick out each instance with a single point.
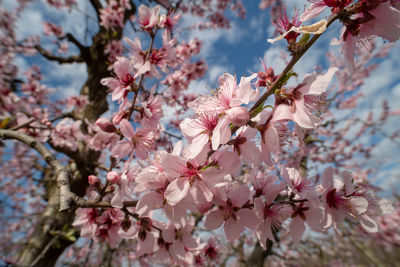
(239, 116)
(126, 224)
(93, 180)
(105, 125)
(113, 177)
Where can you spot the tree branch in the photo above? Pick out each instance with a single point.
(61, 60)
(164, 3)
(96, 6)
(73, 40)
(61, 173)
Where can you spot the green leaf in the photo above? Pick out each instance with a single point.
(4, 123)
(304, 39)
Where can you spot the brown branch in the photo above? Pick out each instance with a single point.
(97, 7)
(83, 203)
(61, 60)
(61, 173)
(164, 3)
(83, 49)
(46, 248)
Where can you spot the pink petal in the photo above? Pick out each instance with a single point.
(239, 196)
(116, 200)
(149, 202)
(189, 241)
(303, 117)
(248, 218)
(317, 84)
(176, 191)
(191, 127)
(348, 50)
(221, 133)
(312, 11)
(347, 178)
(229, 162)
(174, 165)
(121, 66)
(122, 149)
(327, 178)
(263, 233)
(214, 220)
(169, 234)
(368, 224)
(148, 246)
(359, 204)
(145, 68)
(127, 129)
(271, 144)
(313, 218)
(197, 145)
(245, 90)
(250, 153)
(213, 177)
(233, 229)
(297, 229)
(283, 112)
(178, 250)
(259, 206)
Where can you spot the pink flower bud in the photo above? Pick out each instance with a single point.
(93, 180)
(239, 116)
(113, 177)
(105, 125)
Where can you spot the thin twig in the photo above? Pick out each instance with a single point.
(153, 36)
(61, 176)
(46, 248)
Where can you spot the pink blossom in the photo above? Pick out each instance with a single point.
(148, 18)
(317, 6)
(230, 95)
(245, 147)
(155, 180)
(112, 16)
(152, 111)
(307, 100)
(106, 125)
(232, 212)
(113, 177)
(168, 21)
(383, 21)
(304, 213)
(86, 221)
(198, 131)
(270, 214)
(93, 180)
(300, 185)
(109, 223)
(113, 50)
(181, 240)
(144, 233)
(51, 28)
(339, 200)
(121, 84)
(141, 141)
(283, 24)
(189, 178)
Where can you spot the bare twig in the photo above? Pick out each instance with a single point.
(61, 60)
(132, 108)
(61, 173)
(46, 248)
